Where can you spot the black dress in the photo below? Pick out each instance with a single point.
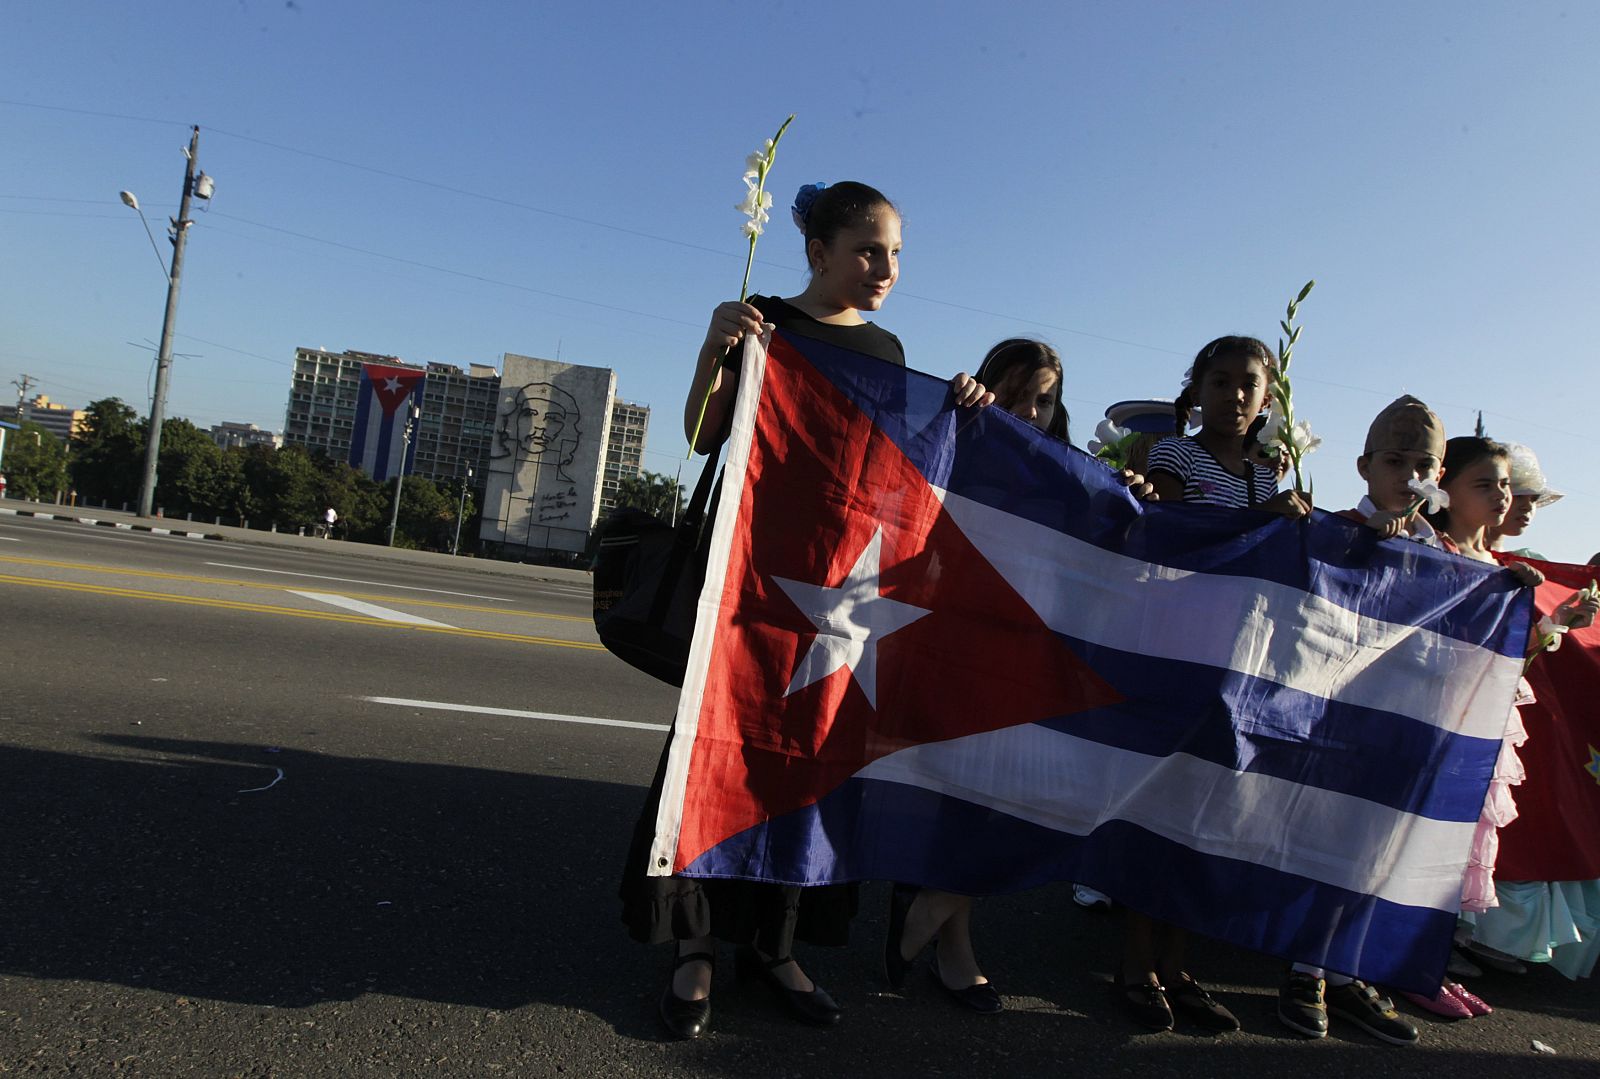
(769, 916)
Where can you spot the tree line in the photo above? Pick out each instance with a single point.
(289, 487)
(197, 479)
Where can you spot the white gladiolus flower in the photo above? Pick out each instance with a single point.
(1106, 436)
(1432, 495)
(1550, 632)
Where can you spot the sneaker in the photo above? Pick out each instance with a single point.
(1089, 899)
(1443, 1004)
(1300, 1005)
(1359, 1003)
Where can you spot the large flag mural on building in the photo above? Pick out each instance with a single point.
(937, 646)
(378, 438)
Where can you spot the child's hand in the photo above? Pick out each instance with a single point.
(1526, 574)
(730, 322)
(970, 392)
(1386, 524)
(1137, 485)
(1579, 610)
(1292, 504)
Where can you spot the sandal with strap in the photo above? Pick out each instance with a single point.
(1146, 1003)
(812, 1005)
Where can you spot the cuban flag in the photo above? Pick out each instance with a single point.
(937, 646)
(378, 438)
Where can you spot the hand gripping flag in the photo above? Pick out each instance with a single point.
(378, 437)
(937, 646)
(1556, 835)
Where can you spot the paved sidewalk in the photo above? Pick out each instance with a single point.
(228, 534)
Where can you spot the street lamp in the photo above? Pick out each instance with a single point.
(194, 186)
(412, 416)
(455, 547)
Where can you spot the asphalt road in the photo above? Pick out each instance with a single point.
(241, 834)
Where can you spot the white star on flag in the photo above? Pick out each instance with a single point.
(850, 620)
(391, 384)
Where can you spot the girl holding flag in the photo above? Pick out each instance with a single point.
(852, 244)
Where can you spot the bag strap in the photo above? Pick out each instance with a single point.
(684, 540)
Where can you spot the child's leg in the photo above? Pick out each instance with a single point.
(958, 966)
(1139, 949)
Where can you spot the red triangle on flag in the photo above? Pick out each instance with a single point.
(823, 481)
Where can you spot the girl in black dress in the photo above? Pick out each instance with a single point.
(853, 247)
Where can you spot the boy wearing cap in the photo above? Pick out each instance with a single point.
(1404, 443)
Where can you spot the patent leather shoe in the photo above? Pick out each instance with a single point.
(685, 1019)
(981, 997)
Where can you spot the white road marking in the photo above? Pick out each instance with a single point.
(516, 713)
(371, 610)
(10, 539)
(351, 580)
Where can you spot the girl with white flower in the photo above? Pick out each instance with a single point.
(852, 244)
(1229, 382)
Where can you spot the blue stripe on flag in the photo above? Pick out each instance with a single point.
(891, 831)
(358, 434)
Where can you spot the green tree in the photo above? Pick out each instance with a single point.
(189, 472)
(107, 458)
(35, 465)
(653, 493)
(427, 515)
(284, 485)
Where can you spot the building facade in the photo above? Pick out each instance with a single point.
(630, 425)
(59, 420)
(228, 434)
(547, 454)
(547, 442)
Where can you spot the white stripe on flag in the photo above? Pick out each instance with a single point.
(1069, 784)
(1244, 624)
(371, 610)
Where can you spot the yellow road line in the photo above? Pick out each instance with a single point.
(157, 575)
(292, 612)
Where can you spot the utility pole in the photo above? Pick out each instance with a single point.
(405, 446)
(158, 402)
(22, 382)
(455, 547)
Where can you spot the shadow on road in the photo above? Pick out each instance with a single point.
(156, 866)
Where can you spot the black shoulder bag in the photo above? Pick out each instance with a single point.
(647, 578)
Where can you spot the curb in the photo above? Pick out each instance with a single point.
(121, 525)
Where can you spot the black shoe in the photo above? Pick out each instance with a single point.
(1190, 997)
(685, 1019)
(1146, 1003)
(812, 1006)
(895, 968)
(982, 997)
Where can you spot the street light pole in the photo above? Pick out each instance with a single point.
(405, 446)
(158, 401)
(455, 547)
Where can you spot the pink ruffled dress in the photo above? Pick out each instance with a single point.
(1499, 810)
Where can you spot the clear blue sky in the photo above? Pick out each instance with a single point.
(452, 182)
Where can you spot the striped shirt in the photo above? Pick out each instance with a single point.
(1204, 478)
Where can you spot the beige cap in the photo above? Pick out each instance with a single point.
(1406, 424)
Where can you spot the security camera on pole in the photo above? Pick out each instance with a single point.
(194, 186)
(405, 447)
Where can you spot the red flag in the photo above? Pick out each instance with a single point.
(1556, 835)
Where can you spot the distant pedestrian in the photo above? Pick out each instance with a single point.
(329, 519)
